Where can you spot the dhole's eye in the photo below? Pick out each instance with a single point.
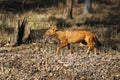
(48, 31)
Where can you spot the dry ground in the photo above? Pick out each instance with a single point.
(37, 62)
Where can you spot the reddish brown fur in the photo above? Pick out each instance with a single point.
(67, 37)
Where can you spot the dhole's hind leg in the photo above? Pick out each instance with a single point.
(90, 45)
(95, 50)
(69, 48)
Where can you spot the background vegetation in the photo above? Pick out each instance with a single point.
(36, 61)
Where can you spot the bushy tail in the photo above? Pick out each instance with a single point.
(97, 41)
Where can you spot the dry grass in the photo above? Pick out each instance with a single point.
(101, 22)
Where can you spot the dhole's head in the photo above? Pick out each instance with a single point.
(50, 32)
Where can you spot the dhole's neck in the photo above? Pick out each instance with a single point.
(57, 33)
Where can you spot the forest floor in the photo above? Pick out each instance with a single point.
(37, 62)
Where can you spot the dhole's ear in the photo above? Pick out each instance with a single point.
(54, 28)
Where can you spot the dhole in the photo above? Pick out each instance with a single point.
(68, 36)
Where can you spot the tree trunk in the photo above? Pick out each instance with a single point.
(21, 33)
(69, 4)
(75, 1)
(87, 7)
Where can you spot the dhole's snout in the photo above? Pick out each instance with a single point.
(45, 37)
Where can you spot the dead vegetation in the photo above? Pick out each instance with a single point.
(35, 61)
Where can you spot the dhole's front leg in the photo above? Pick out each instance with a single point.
(69, 48)
(88, 50)
(63, 44)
